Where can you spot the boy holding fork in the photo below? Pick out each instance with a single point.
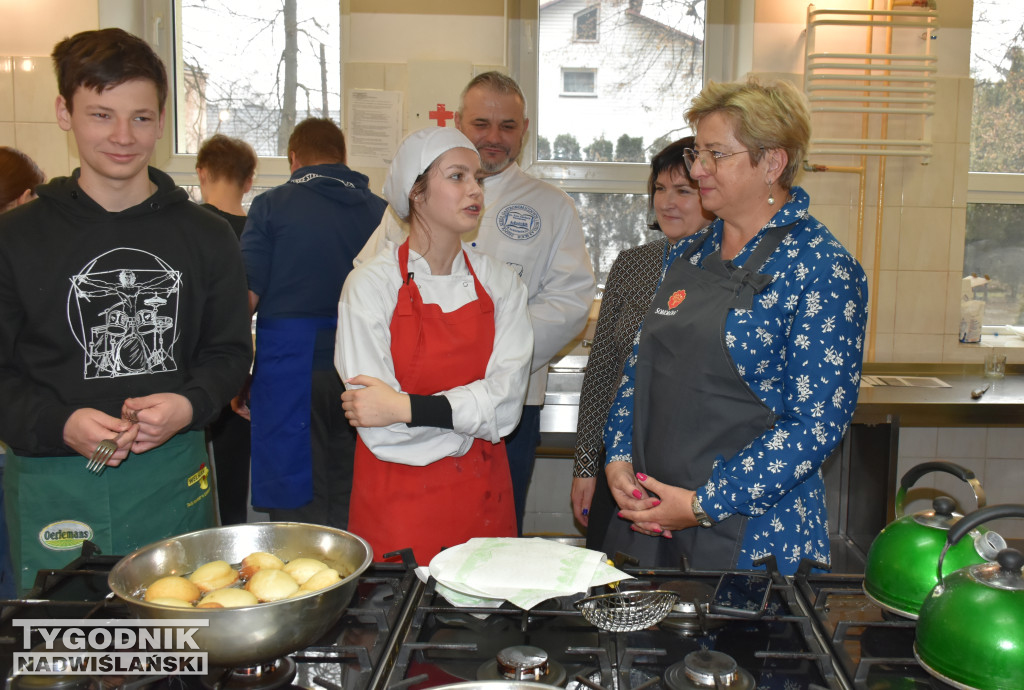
(123, 317)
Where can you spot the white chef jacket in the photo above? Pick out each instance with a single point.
(533, 227)
(488, 408)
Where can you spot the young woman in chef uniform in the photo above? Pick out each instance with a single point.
(434, 346)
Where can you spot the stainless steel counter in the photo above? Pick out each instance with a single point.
(1001, 405)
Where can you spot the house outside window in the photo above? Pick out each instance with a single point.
(994, 247)
(596, 135)
(585, 24)
(578, 82)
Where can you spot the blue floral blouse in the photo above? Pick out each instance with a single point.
(800, 350)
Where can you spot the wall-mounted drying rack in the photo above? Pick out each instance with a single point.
(873, 85)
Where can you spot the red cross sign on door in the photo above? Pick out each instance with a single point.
(442, 115)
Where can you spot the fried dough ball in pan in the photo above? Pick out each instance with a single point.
(172, 587)
(304, 568)
(272, 585)
(229, 598)
(214, 575)
(257, 561)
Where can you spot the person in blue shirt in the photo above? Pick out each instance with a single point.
(745, 373)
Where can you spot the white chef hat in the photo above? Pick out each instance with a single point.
(415, 154)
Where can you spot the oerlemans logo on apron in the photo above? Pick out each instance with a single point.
(65, 535)
(518, 221)
(674, 300)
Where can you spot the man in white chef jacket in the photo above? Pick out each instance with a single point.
(534, 228)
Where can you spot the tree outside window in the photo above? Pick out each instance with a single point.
(252, 70)
(995, 231)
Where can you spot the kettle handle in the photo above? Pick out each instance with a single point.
(960, 472)
(972, 520)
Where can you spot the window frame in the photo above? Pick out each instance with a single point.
(579, 94)
(596, 10)
(726, 59)
(159, 22)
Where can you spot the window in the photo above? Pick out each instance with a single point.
(585, 25)
(252, 70)
(578, 82)
(995, 210)
(594, 137)
(249, 70)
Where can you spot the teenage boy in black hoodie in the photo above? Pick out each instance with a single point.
(122, 314)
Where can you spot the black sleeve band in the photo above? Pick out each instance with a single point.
(431, 410)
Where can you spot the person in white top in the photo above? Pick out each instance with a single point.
(434, 346)
(534, 228)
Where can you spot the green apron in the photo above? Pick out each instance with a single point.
(53, 504)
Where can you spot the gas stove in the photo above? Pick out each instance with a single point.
(873, 647)
(761, 631)
(553, 643)
(348, 657)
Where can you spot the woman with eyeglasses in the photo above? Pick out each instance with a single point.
(745, 374)
(674, 200)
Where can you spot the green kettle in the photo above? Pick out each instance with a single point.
(900, 568)
(970, 630)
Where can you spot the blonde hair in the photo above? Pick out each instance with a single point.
(765, 116)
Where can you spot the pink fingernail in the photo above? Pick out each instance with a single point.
(619, 514)
(656, 503)
(641, 476)
(667, 536)
(637, 494)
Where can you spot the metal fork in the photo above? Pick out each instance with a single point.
(104, 451)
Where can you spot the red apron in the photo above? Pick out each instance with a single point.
(447, 502)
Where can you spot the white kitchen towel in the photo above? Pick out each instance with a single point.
(486, 571)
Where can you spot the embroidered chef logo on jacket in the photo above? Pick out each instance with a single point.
(518, 222)
(65, 535)
(122, 308)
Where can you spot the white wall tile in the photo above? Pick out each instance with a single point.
(47, 144)
(957, 236)
(1006, 444)
(920, 302)
(918, 442)
(7, 134)
(35, 91)
(930, 185)
(924, 239)
(6, 89)
(883, 348)
(962, 442)
(909, 347)
(961, 164)
(964, 108)
(892, 226)
(1009, 488)
(885, 304)
(944, 122)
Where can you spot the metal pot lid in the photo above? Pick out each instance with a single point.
(941, 516)
(1005, 573)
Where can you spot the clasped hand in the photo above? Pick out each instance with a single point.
(375, 404)
(654, 508)
(147, 422)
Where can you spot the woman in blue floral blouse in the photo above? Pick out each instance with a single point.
(745, 373)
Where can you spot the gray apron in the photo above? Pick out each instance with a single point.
(691, 404)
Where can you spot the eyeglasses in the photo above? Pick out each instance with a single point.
(708, 159)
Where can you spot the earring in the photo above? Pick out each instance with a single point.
(771, 196)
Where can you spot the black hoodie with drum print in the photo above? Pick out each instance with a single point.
(99, 306)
